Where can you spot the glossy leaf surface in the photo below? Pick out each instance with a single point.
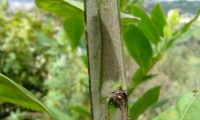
(138, 46)
(146, 25)
(158, 18)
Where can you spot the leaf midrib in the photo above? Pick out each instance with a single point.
(189, 106)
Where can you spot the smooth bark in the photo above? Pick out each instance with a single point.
(106, 72)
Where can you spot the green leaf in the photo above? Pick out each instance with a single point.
(146, 24)
(63, 8)
(140, 74)
(182, 30)
(136, 80)
(187, 107)
(159, 103)
(147, 77)
(173, 18)
(186, 27)
(158, 18)
(14, 93)
(69, 8)
(138, 46)
(129, 19)
(74, 28)
(148, 99)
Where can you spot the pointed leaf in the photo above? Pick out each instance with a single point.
(129, 19)
(186, 27)
(68, 8)
(74, 28)
(182, 30)
(146, 25)
(187, 107)
(158, 18)
(14, 93)
(148, 99)
(138, 46)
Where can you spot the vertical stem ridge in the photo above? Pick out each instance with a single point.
(106, 69)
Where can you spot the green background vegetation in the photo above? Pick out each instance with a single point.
(46, 54)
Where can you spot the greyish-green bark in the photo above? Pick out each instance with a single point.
(106, 72)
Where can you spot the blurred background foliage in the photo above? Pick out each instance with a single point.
(35, 51)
